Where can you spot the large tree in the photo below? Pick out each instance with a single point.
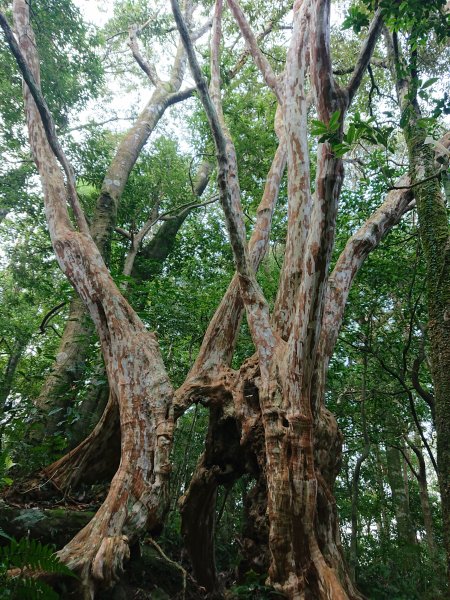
(268, 417)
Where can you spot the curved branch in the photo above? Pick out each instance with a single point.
(365, 55)
(47, 123)
(54, 311)
(252, 44)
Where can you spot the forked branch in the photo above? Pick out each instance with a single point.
(365, 54)
(252, 44)
(229, 194)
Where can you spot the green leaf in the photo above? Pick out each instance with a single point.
(317, 127)
(350, 135)
(429, 82)
(341, 149)
(333, 125)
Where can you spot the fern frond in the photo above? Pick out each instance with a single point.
(30, 554)
(32, 589)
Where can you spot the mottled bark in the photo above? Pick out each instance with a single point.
(298, 565)
(138, 381)
(152, 257)
(58, 391)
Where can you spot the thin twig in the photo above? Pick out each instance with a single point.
(171, 562)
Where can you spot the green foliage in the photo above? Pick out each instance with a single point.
(6, 463)
(391, 572)
(254, 588)
(417, 17)
(357, 18)
(358, 130)
(27, 556)
(71, 69)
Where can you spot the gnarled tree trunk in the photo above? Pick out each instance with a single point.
(275, 402)
(138, 381)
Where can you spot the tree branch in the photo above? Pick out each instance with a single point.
(148, 68)
(51, 313)
(252, 44)
(48, 124)
(365, 54)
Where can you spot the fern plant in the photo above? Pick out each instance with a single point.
(28, 556)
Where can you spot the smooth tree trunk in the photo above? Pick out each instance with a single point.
(7, 378)
(405, 531)
(382, 522)
(357, 474)
(420, 474)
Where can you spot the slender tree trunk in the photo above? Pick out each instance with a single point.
(60, 386)
(421, 476)
(91, 406)
(384, 523)
(435, 237)
(426, 507)
(11, 366)
(434, 231)
(405, 531)
(356, 475)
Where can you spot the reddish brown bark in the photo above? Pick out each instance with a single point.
(286, 368)
(59, 389)
(138, 382)
(275, 402)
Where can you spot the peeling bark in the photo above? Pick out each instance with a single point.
(138, 495)
(298, 565)
(73, 349)
(267, 419)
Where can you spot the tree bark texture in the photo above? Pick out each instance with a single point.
(73, 349)
(138, 381)
(272, 408)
